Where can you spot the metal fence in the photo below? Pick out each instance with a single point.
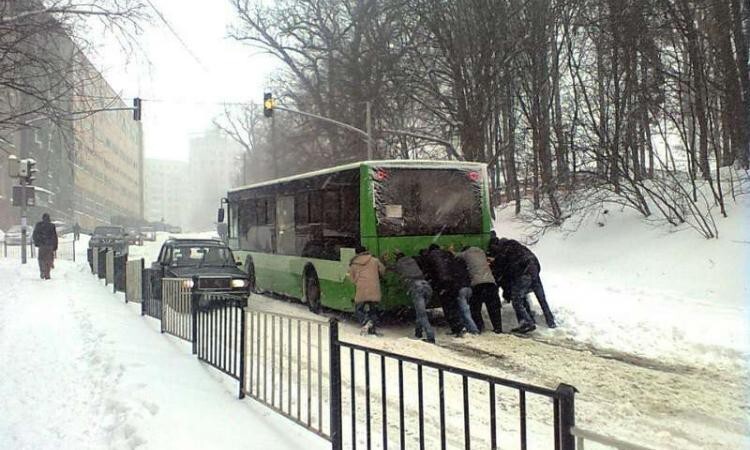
(177, 307)
(289, 367)
(449, 406)
(66, 250)
(109, 268)
(219, 334)
(134, 281)
(101, 262)
(150, 306)
(14, 250)
(119, 279)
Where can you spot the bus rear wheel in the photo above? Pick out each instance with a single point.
(311, 290)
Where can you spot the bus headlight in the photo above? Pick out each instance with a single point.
(239, 283)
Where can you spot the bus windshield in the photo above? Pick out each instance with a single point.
(427, 202)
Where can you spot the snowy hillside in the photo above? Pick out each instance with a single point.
(618, 283)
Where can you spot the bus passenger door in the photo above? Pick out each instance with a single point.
(285, 236)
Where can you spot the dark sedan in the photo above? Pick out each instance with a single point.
(210, 260)
(113, 237)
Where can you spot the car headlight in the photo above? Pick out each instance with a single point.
(187, 284)
(239, 283)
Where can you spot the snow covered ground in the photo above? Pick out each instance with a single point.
(654, 332)
(81, 369)
(618, 284)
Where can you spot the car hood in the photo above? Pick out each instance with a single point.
(188, 272)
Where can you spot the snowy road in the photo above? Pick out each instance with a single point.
(80, 369)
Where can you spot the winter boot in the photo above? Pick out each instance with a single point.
(524, 328)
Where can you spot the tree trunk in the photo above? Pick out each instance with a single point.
(741, 39)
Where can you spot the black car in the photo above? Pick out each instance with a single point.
(208, 259)
(113, 237)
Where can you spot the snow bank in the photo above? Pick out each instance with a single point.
(620, 284)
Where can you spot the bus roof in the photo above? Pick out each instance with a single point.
(414, 163)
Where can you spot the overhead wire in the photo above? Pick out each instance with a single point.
(176, 35)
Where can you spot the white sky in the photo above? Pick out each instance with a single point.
(185, 94)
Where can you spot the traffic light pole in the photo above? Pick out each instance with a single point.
(23, 220)
(367, 135)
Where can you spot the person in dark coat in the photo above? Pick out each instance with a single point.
(45, 238)
(451, 281)
(484, 289)
(419, 291)
(516, 270)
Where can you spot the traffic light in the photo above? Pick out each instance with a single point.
(137, 109)
(268, 104)
(27, 169)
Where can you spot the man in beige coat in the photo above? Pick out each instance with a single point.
(365, 271)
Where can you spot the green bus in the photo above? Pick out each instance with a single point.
(295, 236)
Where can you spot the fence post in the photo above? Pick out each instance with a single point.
(145, 288)
(243, 338)
(194, 297)
(334, 376)
(567, 394)
(74, 250)
(162, 304)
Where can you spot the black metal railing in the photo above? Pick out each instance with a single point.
(119, 282)
(288, 367)
(177, 307)
(151, 305)
(219, 333)
(390, 395)
(101, 262)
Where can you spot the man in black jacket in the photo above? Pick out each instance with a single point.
(516, 270)
(45, 238)
(451, 282)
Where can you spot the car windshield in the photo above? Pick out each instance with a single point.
(202, 256)
(108, 231)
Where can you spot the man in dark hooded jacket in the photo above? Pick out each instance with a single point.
(451, 282)
(516, 270)
(45, 238)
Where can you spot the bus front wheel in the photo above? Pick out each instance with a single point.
(311, 290)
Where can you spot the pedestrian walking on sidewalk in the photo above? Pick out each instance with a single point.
(45, 239)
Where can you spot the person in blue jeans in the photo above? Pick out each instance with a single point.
(450, 279)
(419, 291)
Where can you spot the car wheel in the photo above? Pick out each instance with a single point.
(311, 289)
(250, 269)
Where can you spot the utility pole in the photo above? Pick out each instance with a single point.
(369, 130)
(24, 147)
(274, 151)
